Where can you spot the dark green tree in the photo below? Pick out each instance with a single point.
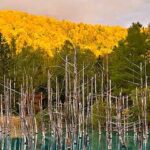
(32, 63)
(84, 57)
(5, 57)
(126, 59)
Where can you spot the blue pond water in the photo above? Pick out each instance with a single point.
(95, 143)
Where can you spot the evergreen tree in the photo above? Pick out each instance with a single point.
(127, 57)
(5, 57)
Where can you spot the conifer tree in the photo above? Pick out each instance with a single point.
(126, 58)
(5, 57)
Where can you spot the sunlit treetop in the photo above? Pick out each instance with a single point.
(50, 34)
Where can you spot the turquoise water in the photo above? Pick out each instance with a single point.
(95, 142)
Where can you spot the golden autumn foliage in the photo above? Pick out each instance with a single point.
(49, 34)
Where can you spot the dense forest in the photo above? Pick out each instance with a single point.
(68, 80)
(31, 45)
(50, 34)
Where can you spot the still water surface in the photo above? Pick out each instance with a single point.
(96, 142)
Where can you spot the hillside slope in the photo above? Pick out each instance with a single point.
(48, 33)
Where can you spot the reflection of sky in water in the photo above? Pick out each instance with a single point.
(51, 144)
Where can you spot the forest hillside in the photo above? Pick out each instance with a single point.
(50, 34)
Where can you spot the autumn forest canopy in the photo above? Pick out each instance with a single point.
(50, 34)
(31, 45)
